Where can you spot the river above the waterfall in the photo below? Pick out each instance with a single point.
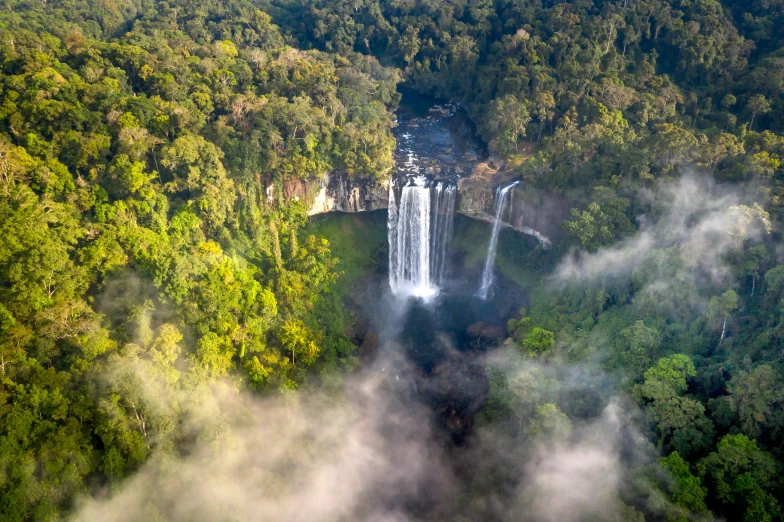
(435, 137)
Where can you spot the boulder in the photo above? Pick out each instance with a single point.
(475, 330)
(493, 333)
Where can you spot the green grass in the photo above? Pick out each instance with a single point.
(519, 256)
(356, 239)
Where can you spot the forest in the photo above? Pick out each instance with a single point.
(179, 336)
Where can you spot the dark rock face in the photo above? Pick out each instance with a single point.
(335, 192)
(370, 343)
(538, 214)
(486, 332)
(494, 333)
(475, 330)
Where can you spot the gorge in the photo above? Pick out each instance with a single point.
(435, 152)
(419, 297)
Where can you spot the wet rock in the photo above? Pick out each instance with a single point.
(509, 299)
(493, 333)
(358, 330)
(487, 332)
(475, 330)
(537, 214)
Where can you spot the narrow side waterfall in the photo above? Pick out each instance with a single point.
(487, 276)
(409, 239)
(444, 193)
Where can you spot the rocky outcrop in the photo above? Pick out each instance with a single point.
(337, 192)
(487, 332)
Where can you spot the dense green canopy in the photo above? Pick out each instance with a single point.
(150, 240)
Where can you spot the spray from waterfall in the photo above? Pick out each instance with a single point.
(487, 276)
(409, 239)
(444, 193)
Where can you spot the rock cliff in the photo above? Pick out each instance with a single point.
(534, 213)
(337, 192)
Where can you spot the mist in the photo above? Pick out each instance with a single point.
(375, 449)
(700, 220)
(411, 435)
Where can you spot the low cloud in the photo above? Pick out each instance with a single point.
(700, 220)
(305, 457)
(371, 453)
(375, 450)
(583, 478)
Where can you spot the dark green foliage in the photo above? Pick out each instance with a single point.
(538, 342)
(687, 491)
(549, 425)
(679, 420)
(600, 225)
(609, 95)
(742, 476)
(603, 101)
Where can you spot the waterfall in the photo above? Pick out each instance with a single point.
(444, 193)
(392, 220)
(409, 239)
(487, 276)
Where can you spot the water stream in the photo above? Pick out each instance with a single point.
(431, 353)
(488, 274)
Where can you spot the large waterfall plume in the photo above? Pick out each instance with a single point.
(487, 276)
(419, 226)
(409, 239)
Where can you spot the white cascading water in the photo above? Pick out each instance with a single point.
(444, 193)
(409, 239)
(392, 219)
(487, 276)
